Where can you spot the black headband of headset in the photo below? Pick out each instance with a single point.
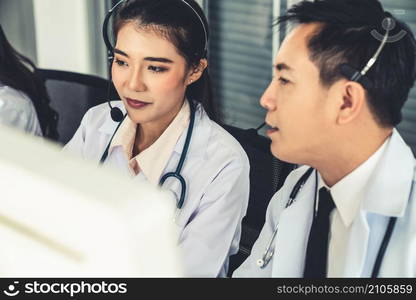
(2, 42)
(110, 48)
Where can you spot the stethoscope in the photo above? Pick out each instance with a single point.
(269, 252)
(177, 173)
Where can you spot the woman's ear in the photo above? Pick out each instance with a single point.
(196, 72)
(352, 101)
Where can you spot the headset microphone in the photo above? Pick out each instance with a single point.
(116, 113)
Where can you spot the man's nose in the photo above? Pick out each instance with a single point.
(268, 100)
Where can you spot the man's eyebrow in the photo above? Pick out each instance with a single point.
(283, 66)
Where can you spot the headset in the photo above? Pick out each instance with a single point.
(360, 76)
(2, 42)
(117, 114)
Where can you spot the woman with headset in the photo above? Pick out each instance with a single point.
(164, 131)
(24, 103)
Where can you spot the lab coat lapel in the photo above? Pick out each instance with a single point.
(118, 160)
(291, 241)
(386, 194)
(389, 187)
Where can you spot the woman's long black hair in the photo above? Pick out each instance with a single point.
(175, 20)
(18, 72)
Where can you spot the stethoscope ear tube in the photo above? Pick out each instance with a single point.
(383, 247)
(269, 252)
(300, 184)
(177, 173)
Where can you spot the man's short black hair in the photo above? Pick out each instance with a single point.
(345, 37)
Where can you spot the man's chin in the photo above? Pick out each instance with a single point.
(283, 154)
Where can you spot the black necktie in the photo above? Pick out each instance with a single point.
(317, 250)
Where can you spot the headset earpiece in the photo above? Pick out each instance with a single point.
(360, 76)
(355, 75)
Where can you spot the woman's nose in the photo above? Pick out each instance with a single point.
(136, 82)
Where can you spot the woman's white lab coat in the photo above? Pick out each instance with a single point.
(216, 171)
(18, 111)
(389, 193)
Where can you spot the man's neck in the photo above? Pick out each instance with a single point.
(349, 155)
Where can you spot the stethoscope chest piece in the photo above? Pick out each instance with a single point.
(260, 263)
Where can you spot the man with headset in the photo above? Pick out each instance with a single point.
(341, 78)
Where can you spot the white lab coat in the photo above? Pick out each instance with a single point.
(18, 111)
(216, 171)
(388, 193)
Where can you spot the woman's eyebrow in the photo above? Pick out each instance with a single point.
(118, 51)
(159, 59)
(149, 58)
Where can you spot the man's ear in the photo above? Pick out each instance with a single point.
(196, 72)
(352, 100)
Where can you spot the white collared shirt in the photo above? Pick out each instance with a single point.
(151, 161)
(348, 195)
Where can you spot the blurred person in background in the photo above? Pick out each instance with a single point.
(24, 103)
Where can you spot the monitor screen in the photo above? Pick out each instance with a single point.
(64, 217)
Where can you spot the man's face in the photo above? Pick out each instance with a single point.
(298, 105)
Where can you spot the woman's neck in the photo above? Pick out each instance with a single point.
(145, 136)
(148, 133)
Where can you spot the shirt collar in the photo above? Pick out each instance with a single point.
(200, 140)
(124, 137)
(152, 161)
(198, 146)
(349, 192)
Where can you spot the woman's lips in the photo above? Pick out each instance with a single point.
(137, 104)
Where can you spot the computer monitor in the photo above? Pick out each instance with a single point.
(64, 217)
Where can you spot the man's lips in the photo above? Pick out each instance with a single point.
(271, 129)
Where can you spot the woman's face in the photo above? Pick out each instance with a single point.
(149, 75)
